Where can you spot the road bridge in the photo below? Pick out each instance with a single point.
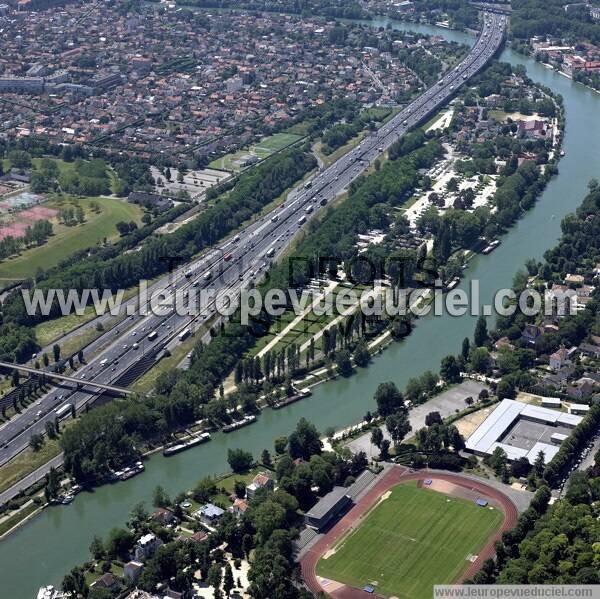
(65, 378)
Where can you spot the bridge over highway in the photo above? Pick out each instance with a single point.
(65, 378)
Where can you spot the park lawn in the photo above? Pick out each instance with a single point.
(262, 149)
(63, 167)
(278, 141)
(68, 240)
(410, 541)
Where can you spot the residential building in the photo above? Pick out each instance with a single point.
(260, 481)
(209, 514)
(146, 547)
(132, 571)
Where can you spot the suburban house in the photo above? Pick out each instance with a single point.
(164, 516)
(239, 507)
(146, 547)
(531, 333)
(571, 279)
(581, 388)
(132, 571)
(199, 537)
(589, 350)
(260, 481)
(561, 357)
(209, 513)
(106, 581)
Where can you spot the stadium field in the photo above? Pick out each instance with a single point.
(414, 538)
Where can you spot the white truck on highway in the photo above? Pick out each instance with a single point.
(152, 336)
(64, 411)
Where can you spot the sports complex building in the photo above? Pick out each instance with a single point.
(522, 431)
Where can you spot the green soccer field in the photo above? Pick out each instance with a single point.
(414, 539)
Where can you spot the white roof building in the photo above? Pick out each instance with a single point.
(487, 436)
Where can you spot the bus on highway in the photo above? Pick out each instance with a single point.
(184, 334)
(207, 275)
(153, 335)
(270, 252)
(64, 411)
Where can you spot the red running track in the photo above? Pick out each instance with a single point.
(394, 476)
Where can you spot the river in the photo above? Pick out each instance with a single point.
(44, 549)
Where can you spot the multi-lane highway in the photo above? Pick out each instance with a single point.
(240, 261)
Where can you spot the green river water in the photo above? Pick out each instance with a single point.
(43, 550)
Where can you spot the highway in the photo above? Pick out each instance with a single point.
(242, 260)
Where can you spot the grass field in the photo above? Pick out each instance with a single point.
(67, 240)
(412, 540)
(263, 149)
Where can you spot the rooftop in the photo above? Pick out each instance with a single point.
(521, 430)
(324, 505)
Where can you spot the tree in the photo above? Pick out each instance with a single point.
(239, 460)
(214, 576)
(343, 363)
(280, 445)
(480, 336)
(270, 576)
(97, 548)
(520, 468)
(51, 429)
(205, 489)
(384, 450)
(449, 370)
(377, 436)
(498, 460)
(239, 488)
(74, 582)
(466, 348)
(52, 485)
(398, 426)
(36, 441)
(506, 389)
(433, 418)
(160, 497)
(265, 458)
(362, 357)
(388, 399)
(138, 514)
(305, 441)
(56, 352)
(228, 580)
(480, 359)
(119, 543)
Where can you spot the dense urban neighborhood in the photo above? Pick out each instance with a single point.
(298, 298)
